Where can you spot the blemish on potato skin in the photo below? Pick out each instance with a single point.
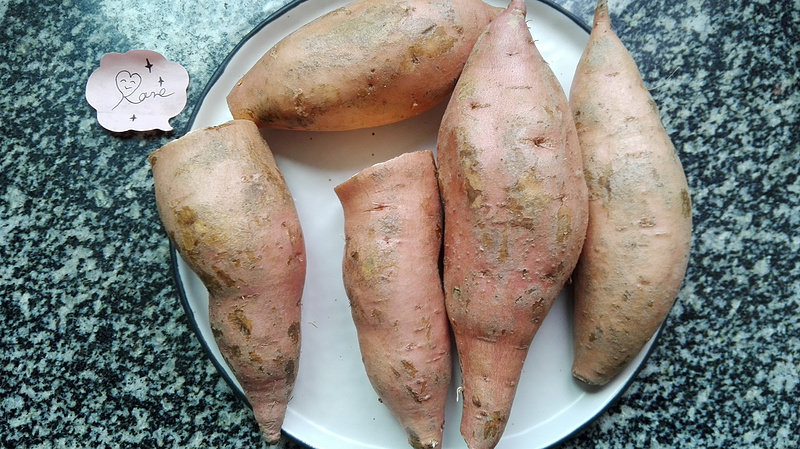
(235, 351)
(465, 90)
(468, 169)
(527, 199)
(503, 253)
(415, 442)
(538, 141)
(475, 105)
(186, 219)
(599, 182)
(494, 425)
(430, 44)
(686, 204)
(377, 316)
(256, 358)
(627, 296)
(646, 222)
(413, 439)
(409, 368)
(208, 279)
(390, 225)
(564, 224)
(473, 194)
(223, 277)
(414, 395)
(294, 332)
(538, 310)
(240, 320)
(289, 371)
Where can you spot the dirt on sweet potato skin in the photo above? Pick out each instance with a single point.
(368, 63)
(515, 203)
(639, 236)
(241, 235)
(393, 230)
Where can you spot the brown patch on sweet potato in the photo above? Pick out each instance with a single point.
(686, 204)
(539, 310)
(376, 315)
(289, 370)
(223, 277)
(495, 424)
(240, 320)
(234, 352)
(476, 105)
(256, 359)
(414, 395)
(476, 401)
(186, 218)
(294, 332)
(527, 198)
(409, 368)
(564, 224)
(502, 255)
(598, 179)
(431, 43)
(538, 141)
(473, 179)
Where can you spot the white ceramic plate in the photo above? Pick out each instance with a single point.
(334, 406)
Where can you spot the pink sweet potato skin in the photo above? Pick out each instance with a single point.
(369, 63)
(226, 208)
(515, 204)
(393, 232)
(638, 239)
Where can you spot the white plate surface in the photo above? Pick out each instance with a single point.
(333, 405)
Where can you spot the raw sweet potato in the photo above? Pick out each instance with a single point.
(366, 64)
(515, 207)
(226, 208)
(638, 239)
(393, 232)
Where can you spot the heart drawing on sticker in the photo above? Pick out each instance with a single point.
(127, 84)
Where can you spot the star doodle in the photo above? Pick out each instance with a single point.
(149, 65)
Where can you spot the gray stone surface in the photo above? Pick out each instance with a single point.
(97, 352)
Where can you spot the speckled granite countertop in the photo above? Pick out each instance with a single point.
(97, 352)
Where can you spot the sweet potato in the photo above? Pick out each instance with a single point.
(515, 206)
(226, 208)
(369, 63)
(638, 239)
(393, 233)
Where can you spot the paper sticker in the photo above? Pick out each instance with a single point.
(139, 90)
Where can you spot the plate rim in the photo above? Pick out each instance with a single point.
(174, 257)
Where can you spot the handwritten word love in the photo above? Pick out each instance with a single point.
(128, 83)
(138, 90)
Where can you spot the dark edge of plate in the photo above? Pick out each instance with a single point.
(174, 254)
